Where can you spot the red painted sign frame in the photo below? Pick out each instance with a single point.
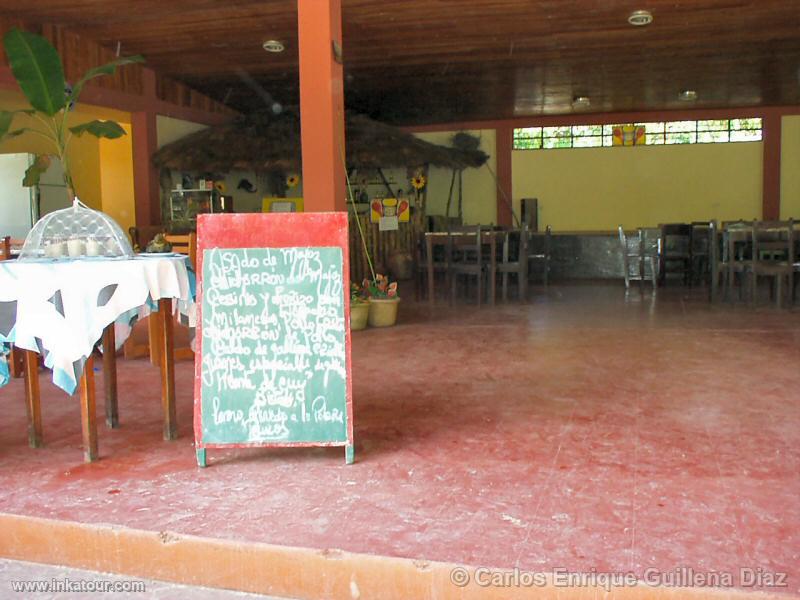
(271, 230)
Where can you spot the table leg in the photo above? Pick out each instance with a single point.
(110, 376)
(429, 258)
(167, 356)
(154, 339)
(32, 404)
(16, 362)
(88, 412)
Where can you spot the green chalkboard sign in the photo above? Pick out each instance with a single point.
(273, 364)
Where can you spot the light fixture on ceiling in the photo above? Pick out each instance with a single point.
(581, 102)
(273, 46)
(688, 95)
(640, 18)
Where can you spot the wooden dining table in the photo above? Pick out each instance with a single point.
(489, 238)
(52, 328)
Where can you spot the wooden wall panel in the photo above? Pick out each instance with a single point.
(80, 54)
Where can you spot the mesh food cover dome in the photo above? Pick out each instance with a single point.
(74, 232)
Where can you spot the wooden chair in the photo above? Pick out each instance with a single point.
(539, 252)
(182, 244)
(716, 263)
(464, 255)
(676, 252)
(515, 260)
(141, 236)
(438, 265)
(796, 265)
(16, 357)
(638, 253)
(773, 256)
(185, 244)
(737, 239)
(700, 268)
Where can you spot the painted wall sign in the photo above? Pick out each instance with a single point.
(382, 208)
(273, 360)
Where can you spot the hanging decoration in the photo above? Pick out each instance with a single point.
(389, 208)
(418, 181)
(293, 180)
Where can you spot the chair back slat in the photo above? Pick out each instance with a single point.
(8, 247)
(184, 244)
(775, 238)
(5, 248)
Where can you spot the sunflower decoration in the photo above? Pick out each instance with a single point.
(418, 181)
(220, 186)
(293, 180)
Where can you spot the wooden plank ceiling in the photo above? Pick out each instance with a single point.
(427, 61)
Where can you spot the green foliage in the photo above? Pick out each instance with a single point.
(100, 129)
(379, 287)
(106, 69)
(38, 70)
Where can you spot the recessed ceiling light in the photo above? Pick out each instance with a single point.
(688, 95)
(640, 18)
(581, 101)
(273, 46)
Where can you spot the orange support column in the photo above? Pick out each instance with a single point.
(145, 178)
(771, 196)
(146, 192)
(503, 144)
(321, 104)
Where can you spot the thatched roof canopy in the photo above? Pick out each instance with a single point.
(264, 142)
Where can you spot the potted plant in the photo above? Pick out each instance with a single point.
(383, 301)
(359, 307)
(38, 70)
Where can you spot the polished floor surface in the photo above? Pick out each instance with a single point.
(583, 430)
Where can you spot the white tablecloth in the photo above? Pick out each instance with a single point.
(60, 308)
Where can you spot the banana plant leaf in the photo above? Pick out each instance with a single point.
(6, 118)
(106, 69)
(34, 172)
(37, 68)
(101, 129)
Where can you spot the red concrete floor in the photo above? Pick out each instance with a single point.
(581, 431)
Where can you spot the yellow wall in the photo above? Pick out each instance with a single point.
(83, 155)
(87, 155)
(116, 179)
(602, 188)
(790, 167)
(480, 189)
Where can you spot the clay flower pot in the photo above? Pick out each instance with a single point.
(359, 314)
(383, 311)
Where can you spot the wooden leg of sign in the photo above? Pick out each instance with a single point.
(167, 357)
(88, 412)
(201, 457)
(349, 454)
(110, 376)
(32, 404)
